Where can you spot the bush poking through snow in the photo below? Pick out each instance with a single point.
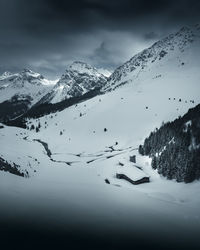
(107, 181)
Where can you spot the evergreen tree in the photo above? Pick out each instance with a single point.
(153, 163)
(32, 127)
(174, 147)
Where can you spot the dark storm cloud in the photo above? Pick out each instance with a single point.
(46, 35)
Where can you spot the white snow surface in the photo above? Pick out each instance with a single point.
(26, 84)
(78, 79)
(72, 187)
(180, 49)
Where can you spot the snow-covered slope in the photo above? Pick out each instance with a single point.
(87, 143)
(175, 53)
(20, 91)
(24, 85)
(69, 190)
(78, 79)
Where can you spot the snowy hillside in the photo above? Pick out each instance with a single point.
(176, 52)
(78, 79)
(18, 92)
(81, 150)
(26, 84)
(175, 147)
(76, 155)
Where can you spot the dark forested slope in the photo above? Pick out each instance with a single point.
(39, 110)
(175, 147)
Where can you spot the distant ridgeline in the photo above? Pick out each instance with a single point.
(175, 147)
(40, 110)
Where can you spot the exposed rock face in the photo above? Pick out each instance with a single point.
(22, 84)
(18, 92)
(173, 44)
(78, 79)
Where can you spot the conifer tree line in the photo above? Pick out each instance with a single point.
(175, 147)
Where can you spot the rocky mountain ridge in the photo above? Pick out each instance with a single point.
(173, 44)
(78, 79)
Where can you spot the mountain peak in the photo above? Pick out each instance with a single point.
(26, 86)
(172, 47)
(81, 64)
(78, 79)
(26, 70)
(189, 28)
(5, 74)
(82, 68)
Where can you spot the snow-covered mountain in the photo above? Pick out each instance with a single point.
(25, 84)
(73, 157)
(175, 50)
(78, 79)
(18, 92)
(165, 89)
(119, 120)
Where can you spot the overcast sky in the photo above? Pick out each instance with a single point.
(47, 35)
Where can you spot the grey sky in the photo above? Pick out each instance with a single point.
(47, 35)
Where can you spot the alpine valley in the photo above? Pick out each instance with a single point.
(72, 151)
